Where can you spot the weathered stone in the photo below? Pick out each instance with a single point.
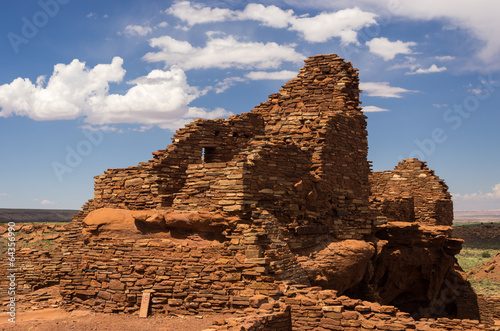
(116, 285)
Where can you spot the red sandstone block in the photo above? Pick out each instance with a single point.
(350, 315)
(116, 285)
(104, 295)
(175, 302)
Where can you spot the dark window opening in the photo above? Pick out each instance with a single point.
(216, 133)
(208, 154)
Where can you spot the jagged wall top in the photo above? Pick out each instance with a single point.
(325, 86)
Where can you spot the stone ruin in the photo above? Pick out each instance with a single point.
(273, 213)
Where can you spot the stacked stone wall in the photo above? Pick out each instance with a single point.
(110, 276)
(411, 182)
(305, 148)
(316, 309)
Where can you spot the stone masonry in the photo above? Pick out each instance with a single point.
(411, 192)
(236, 212)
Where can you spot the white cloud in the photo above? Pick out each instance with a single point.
(343, 24)
(137, 30)
(479, 18)
(222, 52)
(494, 194)
(276, 75)
(373, 109)
(432, 69)
(445, 58)
(197, 13)
(47, 202)
(227, 83)
(382, 89)
(73, 91)
(162, 25)
(4, 195)
(479, 200)
(476, 90)
(409, 63)
(69, 92)
(389, 49)
(269, 16)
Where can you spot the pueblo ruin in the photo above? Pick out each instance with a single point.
(273, 215)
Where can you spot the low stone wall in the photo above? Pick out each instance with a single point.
(316, 309)
(267, 321)
(489, 308)
(496, 307)
(39, 257)
(411, 183)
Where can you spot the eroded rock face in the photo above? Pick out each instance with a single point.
(339, 266)
(122, 223)
(408, 265)
(412, 263)
(114, 222)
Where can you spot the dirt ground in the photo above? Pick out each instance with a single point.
(56, 319)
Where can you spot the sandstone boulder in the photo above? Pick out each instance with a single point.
(110, 221)
(339, 266)
(118, 223)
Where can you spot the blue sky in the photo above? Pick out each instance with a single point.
(90, 85)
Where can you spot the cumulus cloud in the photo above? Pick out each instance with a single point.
(137, 30)
(221, 52)
(161, 98)
(271, 16)
(478, 18)
(432, 69)
(198, 13)
(343, 24)
(382, 89)
(273, 75)
(47, 202)
(389, 49)
(479, 200)
(373, 109)
(68, 93)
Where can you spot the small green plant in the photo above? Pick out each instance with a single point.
(486, 255)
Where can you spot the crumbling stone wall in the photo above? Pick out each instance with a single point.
(304, 148)
(411, 192)
(316, 309)
(288, 183)
(155, 183)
